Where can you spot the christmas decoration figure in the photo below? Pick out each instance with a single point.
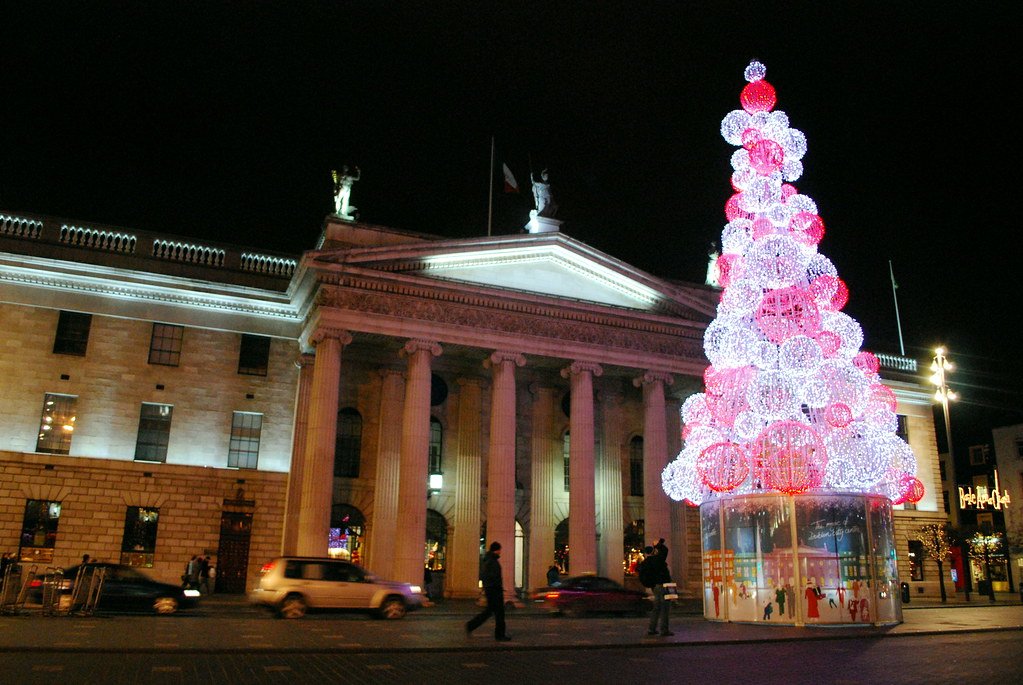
(794, 434)
(792, 404)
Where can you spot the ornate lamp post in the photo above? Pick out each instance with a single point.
(940, 366)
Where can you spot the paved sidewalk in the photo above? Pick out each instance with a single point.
(228, 624)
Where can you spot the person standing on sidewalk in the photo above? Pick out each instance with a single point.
(654, 574)
(493, 589)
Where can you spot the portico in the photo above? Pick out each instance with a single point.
(534, 357)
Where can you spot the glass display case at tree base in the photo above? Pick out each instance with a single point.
(825, 558)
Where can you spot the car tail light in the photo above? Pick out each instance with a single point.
(552, 595)
(267, 567)
(36, 583)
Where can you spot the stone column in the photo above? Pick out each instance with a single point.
(544, 449)
(501, 462)
(385, 496)
(463, 570)
(318, 463)
(410, 537)
(298, 438)
(582, 531)
(610, 518)
(656, 505)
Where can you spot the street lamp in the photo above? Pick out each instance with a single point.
(940, 366)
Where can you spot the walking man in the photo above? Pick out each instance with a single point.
(493, 589)
(654, 574)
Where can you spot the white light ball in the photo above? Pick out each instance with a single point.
(800, 355)
(735, 236)
(802, 203)
(776, 261)
(846, 328)
(794, 144)
(732, 126)
(820, 265)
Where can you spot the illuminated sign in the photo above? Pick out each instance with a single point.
(982, 498)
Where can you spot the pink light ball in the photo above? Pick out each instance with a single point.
(723, 466)
(766, 156)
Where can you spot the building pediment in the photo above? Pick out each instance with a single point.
(548, 265)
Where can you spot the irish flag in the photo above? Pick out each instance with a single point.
(510, 184)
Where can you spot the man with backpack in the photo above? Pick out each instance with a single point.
(653, 574)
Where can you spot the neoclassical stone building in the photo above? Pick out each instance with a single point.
(393, 397)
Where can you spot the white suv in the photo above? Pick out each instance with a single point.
(290, 585)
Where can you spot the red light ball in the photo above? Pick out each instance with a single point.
(758, 96)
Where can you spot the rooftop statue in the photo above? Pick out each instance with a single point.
(343, 192)
(545, 204)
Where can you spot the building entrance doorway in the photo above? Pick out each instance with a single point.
(233, 551)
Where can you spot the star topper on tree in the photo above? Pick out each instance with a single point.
(792, 404)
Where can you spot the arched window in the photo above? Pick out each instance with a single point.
(436, 446)
(566, 444)
(346, 529)
(348, 444)
(636, 466)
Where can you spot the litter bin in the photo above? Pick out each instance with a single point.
(905, 593)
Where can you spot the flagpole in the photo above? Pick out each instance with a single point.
(490, 185)
(898, 323)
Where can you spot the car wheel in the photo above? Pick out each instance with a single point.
(293, 606)
(392, 608)
(165, 605)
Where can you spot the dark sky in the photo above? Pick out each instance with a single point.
(222, 120)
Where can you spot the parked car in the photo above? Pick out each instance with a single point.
(125, 588)
(583, 594)
(292, 585)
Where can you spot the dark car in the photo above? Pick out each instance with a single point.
(125, 588)
(582, 594)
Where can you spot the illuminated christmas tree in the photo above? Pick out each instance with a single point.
(792, 405)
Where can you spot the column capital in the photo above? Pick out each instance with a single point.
(580, 367)
(499, 357)
(415, 345)
(303, 360)
(653, 377)
(324, 332)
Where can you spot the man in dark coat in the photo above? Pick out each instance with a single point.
(654, 575)
(493, 589)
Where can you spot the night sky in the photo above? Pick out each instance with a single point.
(222, 121)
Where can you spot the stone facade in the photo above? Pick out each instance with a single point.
(517, 352)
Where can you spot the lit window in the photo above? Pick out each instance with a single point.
(436, 441)
(566, 444)
(243, 451)
(39, 530)
(154, 432)
(138, 544)
(72, 333)
(57, 424)
(636, 466)
(254, 355)
(165, 345)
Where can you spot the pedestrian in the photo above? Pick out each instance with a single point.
(204, 575)
(493, 589)
(191, 576)
(654, 574)
(553, 575)
(85, 559)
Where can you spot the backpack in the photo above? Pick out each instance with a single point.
(645, 573)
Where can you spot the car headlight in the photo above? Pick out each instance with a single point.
(416, 590)
(191, 593)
